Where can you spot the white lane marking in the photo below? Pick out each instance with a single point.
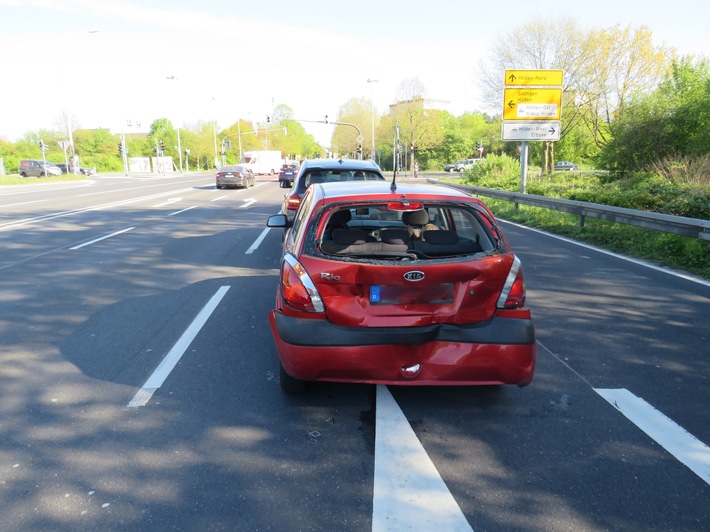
(247, 202)
(409, 493)
(218, 198)
(22, 203)
(257, 242)
(62, 214)
(182, 210)
(102, 238)
(663, 430)
(168, 363)
(169, 202)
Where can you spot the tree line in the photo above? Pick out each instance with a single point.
(628, 107)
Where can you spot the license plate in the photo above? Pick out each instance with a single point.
(412, 294)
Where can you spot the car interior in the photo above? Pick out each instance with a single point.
(378, 231)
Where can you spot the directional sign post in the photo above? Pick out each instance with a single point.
(536, 78)
(521, 130)
(532, 105)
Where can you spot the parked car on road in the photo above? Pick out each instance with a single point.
(84, 171)
(413, 284)
(236, 175)
(326, 171)
(451, 167)
(566, 166)
(37, 168)
(463, 165)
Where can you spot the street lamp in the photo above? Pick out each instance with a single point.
(214, 132)
(62, 42)
(372, 111)
(179, 146)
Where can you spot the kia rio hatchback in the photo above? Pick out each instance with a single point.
(413, 284)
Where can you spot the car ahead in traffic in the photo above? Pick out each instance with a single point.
(288, 173)
(410, 285)
(37, 168)
(327, 171)
(564, 166)
(236, 175)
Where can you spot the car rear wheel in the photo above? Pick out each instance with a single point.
(290, 384)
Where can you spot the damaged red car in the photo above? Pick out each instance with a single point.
(399, 284)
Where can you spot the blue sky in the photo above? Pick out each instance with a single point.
(232, 59)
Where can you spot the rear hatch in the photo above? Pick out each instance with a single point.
(382, 294)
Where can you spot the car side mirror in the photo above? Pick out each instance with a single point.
(278, 220)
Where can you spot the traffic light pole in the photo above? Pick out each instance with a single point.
(124, 154)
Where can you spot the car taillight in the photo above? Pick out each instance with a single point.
(293, 202)
(513, 294)
(297, 288)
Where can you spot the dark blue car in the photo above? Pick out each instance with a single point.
(288, 173)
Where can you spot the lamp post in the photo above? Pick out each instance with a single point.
(214, 133)
(62, 43)
(179, 146)
(372, 111)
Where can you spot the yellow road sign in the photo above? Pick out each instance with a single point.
(532, 104)
(528, 78)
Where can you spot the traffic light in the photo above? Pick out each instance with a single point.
(479, 145)
(268, 119)
(42, 146)
(162, 146)
(120, 148)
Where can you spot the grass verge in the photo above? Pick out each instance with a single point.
(673, 251)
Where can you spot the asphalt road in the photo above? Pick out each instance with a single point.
(139, 385)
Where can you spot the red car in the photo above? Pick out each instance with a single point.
(406, 284)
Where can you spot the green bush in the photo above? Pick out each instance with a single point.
(501, 172)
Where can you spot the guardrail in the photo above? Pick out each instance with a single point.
(667, 223)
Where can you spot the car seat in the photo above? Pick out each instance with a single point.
(315, 177)
(415, 222)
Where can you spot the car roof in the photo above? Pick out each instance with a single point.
(343, 164)
(352, 190)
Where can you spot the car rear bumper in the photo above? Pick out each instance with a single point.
(501, 351)
(232, 182)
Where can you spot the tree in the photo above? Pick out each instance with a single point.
(356, 112)
(410, 120)
(622, 64)
(670, 123)
(602, 69)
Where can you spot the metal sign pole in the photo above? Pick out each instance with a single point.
(523, 166)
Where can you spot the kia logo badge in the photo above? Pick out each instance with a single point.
(414, 276)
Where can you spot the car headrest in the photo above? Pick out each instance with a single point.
(340, 217)
(420, 217)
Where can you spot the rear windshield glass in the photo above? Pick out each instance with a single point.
(328, 176)
(426, 231)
